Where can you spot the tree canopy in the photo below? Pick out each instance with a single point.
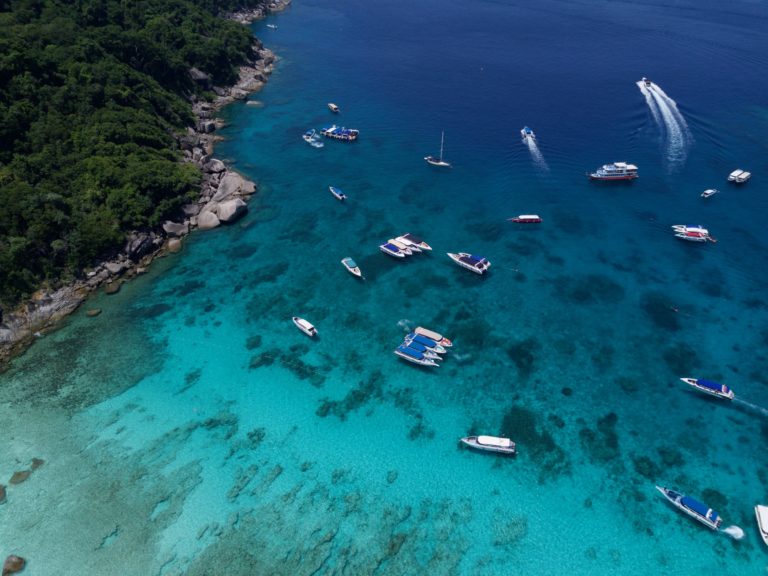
(91, 95)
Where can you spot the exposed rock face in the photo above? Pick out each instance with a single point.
(232, 183)
(176, 229)
(140, 244)
(174, 245)
(13, 564)
(207, 220)
(214, 165)
(231, 210)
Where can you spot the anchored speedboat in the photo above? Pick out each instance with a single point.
(490, 444)
(710, 387)
(693, 508)
(414, 356)
(305, 326)
(476, 264)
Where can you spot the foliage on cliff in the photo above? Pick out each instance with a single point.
(91, 92)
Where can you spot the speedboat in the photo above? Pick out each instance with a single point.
(423, 350)
(392, 250)
(692, 233)
(692, 508)
(476, 264)
(273, 26)
(526, 219)
(646, 81)
(710, 387)
(312, 138)
(337, 192)
(424, 341)
(412, 240)
(352, 267)
(709, 192)
(414, 356)
(739, 176)
(340, 133)
(615, 171)
(333, 108)
(304, 326)
(439, 338)
(527, 134)
(404, 246)
(761, 512)
(490, 444)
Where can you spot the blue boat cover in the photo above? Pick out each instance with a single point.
(428, 342)
(711, 385)
(349, 262)
(416, 346)
(391, 247)
(410, 352)
(476, 259)
(698, 507)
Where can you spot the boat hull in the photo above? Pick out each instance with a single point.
(472, 442)
(729, 395)
(676, 499)
(352, 269)
(479, 268)
(761, 513)
(304, 326)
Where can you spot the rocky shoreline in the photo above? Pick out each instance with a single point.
(223, 199)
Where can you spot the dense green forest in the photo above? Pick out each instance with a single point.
(91, 94)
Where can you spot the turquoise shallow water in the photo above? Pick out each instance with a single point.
(191, 429)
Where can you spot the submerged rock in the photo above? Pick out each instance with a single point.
(19, 476)
(2, 494)
(93, 312)
(13, 564)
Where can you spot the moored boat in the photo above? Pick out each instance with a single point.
(692, 508)
(526, 219)
(423, 350)
(412, 240)
(414, 356)
(392, 250)
(761, 512)
(432, 335)
(490, 444)
(739, 176)
(337, 193)
(352, 267)
(305, 326)
(692, 233)
(438, 160)
(333, 107)
(404, 246)
(476, 264)
(615, 171)
(340, 133)
(527, 134)
(424, 341)
(709, 192)
(710, 387)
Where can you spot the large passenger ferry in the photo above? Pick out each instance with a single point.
(615, 171)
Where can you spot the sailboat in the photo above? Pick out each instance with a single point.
(438, 161)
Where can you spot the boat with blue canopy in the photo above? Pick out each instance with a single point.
(424, 341)
(340, 133)
(476, 264)
(392, 250)
(414, 356)
(426, 352)
(692, 507)
(352, 267)
(710, 387)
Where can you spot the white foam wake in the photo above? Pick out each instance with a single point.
(734, 532)
(755, 407)
(649, 100)
(668, 117)
(536, 154)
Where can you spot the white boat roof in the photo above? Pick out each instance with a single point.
(494, 441)
(529, 216)
(745, 174)
(736, 172)
(429, 333)
(304, 323)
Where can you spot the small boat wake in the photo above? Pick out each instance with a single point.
(538, 158)
(755, 407)
(665, 114)
(734, 532)
(406, 324)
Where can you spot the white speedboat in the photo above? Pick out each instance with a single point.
(526, 219)
(404, 246)
(476, 264)
(333, 108)
(527, 134)
(692, 508)
(392, 250)
(709, 192)
(710, 387)
(646, 81)
(305, 326)
(337, 193)
(414, 356)
(412, 240)
(272, 26)
(352, 267)
(761, 512)
(692, 233)
(438, 160)
(739, 176)
(490, 444)
(439, 338)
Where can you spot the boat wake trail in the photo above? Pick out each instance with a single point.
(755, 407)
(670, 120)
(406, 324)
(538, 158)
(734, 532)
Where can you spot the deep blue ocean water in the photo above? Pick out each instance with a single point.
(191, 429)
